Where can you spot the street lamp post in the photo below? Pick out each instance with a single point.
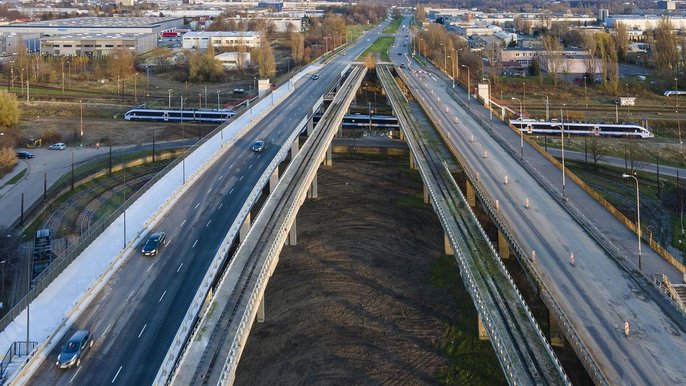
(638, 216)
(218, 100)
(81, 104)
(521, 134)
(562, 137)
(490, 111)
(468, 82)
(585, 97)
(170, 90)
(147, 83)
(616, 111)
(678, 121)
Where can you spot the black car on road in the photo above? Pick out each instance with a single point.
(153, 244)
(24, 154)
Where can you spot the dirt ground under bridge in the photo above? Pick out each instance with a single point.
(367, 296)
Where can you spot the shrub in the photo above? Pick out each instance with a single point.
(50, 136)
(8, 158)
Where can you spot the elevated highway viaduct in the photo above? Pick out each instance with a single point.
(591, 299)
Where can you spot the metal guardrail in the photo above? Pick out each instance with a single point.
(466, 264)
(74, 250)
(229, 368)
(608, 246)
(16, 349)
(189, 324)
(506, 229)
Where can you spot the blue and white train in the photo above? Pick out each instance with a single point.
(534, 126)
(168, 115)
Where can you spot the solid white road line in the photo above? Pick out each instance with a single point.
(129, 297)
(148, 270)
(208, 192)
(117, 374)
(162, 297)
(143, 329)
(107, 329)
(74, 376)
(178, 269)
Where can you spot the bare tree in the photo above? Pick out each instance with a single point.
(297, 41)
(598, 150)
(664, 53)
(553, 57)
(622, 39)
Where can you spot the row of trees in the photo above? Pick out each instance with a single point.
(9, 116)
(447, 51)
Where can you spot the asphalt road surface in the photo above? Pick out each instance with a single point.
(596, 294)
(137, 314)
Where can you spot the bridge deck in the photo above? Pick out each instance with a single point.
(216, 346)
(523, 351)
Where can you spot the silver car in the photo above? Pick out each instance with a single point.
(57, 146)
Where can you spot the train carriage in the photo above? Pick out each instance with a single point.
(167, 115)
(534, 126)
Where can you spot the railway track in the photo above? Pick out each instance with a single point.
(524, 353)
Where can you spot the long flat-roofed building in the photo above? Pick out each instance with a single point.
(96, 44)
(201, 40)
(97, 25)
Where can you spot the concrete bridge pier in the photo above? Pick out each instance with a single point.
(295, 147)
(447, 247)
(557, 338)
(260, 311)
(401, 136)
(245, 228)
(483, 335)
(413, 163)
(273, 180)
(292, 237)
(427, 196)
(471, 196)
(328, 159)
(310, 126)
(312, 191)
(503, 247)
(339, 133)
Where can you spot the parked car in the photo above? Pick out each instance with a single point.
(24, 154)
(258, 146)
(74, 350)
(315, 76)
(154, 244)
(57, 146)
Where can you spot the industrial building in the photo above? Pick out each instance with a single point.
(10, 42)
(96, 25)
(201, 40)
(234, 60)
(96, 44)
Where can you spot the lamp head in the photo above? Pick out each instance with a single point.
(624, 175)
